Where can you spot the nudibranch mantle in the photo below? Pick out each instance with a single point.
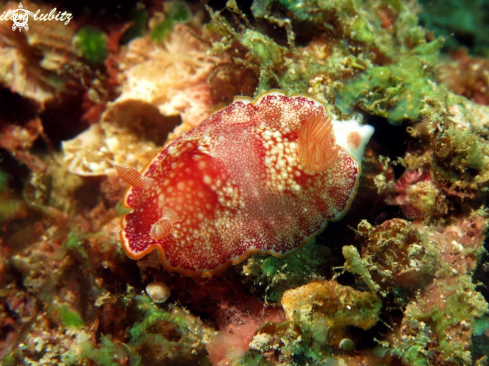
(234, 185)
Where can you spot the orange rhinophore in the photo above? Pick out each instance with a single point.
(132, 177)
(163, 227)
(316, 147)
(260, 176)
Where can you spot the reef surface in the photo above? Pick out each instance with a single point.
(401, 279)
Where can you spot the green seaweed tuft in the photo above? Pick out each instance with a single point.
(92, 44)
(179, 12)
(70, 318)
(397, 92)
(281, 274)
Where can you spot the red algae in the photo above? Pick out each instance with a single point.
(238, 187)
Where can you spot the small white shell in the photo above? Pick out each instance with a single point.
(158, 291)
(347, 344)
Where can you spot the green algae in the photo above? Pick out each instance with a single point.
(480, 325)
(9, 361)
(479, 340)
(354, 20)
(92, 44)
(471, 152)
(10, 208)
(74, 242)
(270, 56)
(277, 275)
(108, 353)
(70, 318)
(461, 305)
(397, 85)
(396, 92)
(356, 265)
(324, 311)
(151, 333)
(287, 68)
(252, 359)
(462, 159)
(157, 336)
(179, 12)
(296, 346)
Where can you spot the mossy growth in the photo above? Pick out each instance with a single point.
(278, 67)
(157, 336)
(451, 313)
(465, 155)
(74, 242)
(98, 243)
(252, 359)
(178, 12)
(356, 265)
(471, 151)
(108, 352)
(70, 318)
(294, 343)
(275, 66)
(270, 54)
(10, 208)
(277, 275)
(91, 44)
(325, 309)
(398, 91)
(160, 331)
(9, 360)
(390, 27)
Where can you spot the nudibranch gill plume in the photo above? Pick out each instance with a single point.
(262, 176)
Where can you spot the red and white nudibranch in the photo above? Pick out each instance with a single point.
(262, 176)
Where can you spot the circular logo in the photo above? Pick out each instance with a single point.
(20, 18)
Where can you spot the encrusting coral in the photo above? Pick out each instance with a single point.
(37, 64)
(171, 75)
(160, 79)
(438, 263)
(326, 309)
(440, 322)
(396, 257)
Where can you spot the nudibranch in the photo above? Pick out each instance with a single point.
(260, 176)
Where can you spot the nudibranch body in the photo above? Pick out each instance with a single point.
(260, 176)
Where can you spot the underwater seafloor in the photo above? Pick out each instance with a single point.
(402, 279)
